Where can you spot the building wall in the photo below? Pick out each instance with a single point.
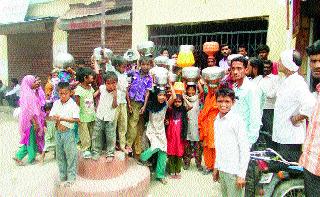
(155, 12)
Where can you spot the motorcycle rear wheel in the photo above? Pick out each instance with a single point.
(290, 188)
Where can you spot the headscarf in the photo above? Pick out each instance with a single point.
(287, 60)
(31, 105)
(153, 105)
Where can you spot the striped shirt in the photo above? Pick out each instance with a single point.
(310, 158)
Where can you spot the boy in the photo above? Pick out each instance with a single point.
(105, 118)
(65, 112)
(138, 93)
(232, 147)
(84, 97)
(121, 111)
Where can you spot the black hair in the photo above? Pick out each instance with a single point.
(63, 85)
(192, 86)
(240, 59)
(164, 49)
(110, 75)
(263, 47)
(314, 49)
(226, 92)
(117, 60)
(82, 73)
(146, 59)
(179, 112)
(153, 105)
(224, 45)
(243, 46)
(297, 58)
(48, 106)
(269, 62)
(257, 63)
(14, 81)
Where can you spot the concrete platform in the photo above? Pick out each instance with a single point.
(100, 169)
(132, 182)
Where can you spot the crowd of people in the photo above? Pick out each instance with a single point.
(117, 103)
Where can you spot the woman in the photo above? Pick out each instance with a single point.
(31, 119)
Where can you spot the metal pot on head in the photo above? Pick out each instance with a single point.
(213, 76)
(63, 61)
(191, 74)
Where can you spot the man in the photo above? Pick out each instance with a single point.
(310, 159)
(294, 104)
(242, 50)
(247, 105)
(263, 53)
(2, 92)
(225, 51)
(255, 70)
(267, 89)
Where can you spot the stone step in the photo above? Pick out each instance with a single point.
(132, 182)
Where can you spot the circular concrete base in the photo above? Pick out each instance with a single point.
(132, 182)
(100, 169)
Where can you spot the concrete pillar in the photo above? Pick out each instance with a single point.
(4, 59)
(59, 41)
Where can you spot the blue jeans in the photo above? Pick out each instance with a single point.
(66, 151)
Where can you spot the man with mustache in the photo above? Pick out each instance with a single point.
(310, 158)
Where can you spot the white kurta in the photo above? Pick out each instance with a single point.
(193, 129)
(156, 132)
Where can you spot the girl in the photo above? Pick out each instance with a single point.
(192, 144)
(177, 121)
(157, 107)
(31, 119)
(84, 98)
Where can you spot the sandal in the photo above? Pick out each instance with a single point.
(18, 162)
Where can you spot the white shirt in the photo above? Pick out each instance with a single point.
(105, 111)
(256, 81)
(69, 109)
(231, 143)
(15, 90)
(268, 90)
(293, 97)
(122, 87)
(223, 63)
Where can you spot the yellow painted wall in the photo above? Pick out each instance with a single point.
(3, 59)
(155, 12)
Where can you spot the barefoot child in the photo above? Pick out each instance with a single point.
(193, 144)
(84, 98)
(156, 133)
(50, 130)
(138, 93)
(177, 120)
(65, 112)
(105, 118)
(232, 146)
(120, 121)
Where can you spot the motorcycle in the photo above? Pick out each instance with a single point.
(279, 178)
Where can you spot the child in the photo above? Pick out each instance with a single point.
(157, 107)
(193, 144)
(51, 86)
(232, 146)
(50, 129)
(105, 118)
(84, 98)
(138, 97)
(177, 121)
(121, 111)
(65, 112)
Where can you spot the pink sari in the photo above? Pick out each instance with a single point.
(31, 105)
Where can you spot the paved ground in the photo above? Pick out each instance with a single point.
(38, 180)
